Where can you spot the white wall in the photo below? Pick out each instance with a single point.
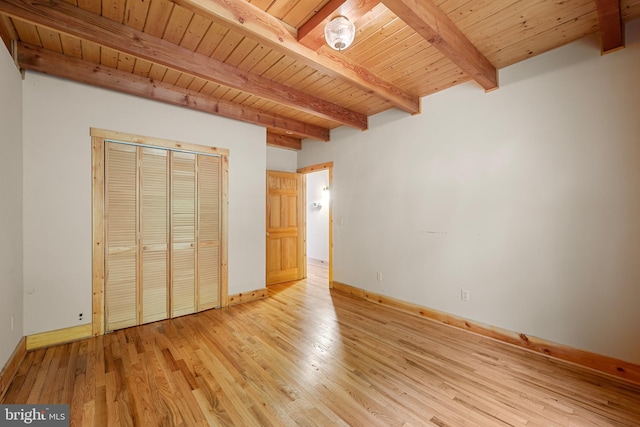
(527, 196)
(318, 217)
(57, 189)
(280, 159)
(10, 206)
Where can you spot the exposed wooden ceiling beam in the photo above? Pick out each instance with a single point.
(6, 32)
(253, 22)
(68, 67)
(611, 28)
(435, 26)
(311, 34)
(283, 141)
(77, 22)
(4, 35)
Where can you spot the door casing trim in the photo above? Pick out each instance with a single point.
(317, 168)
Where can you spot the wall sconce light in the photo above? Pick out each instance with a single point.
(325, 194)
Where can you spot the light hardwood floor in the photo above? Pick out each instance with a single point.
(309, 357)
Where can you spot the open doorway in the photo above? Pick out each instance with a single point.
(319, 219)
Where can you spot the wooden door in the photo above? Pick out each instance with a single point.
(154, 234)
(209, 232)
(137, 230)
(152, 193)
(285, 227)
(196, 220)
(183, 233)
(121, 255)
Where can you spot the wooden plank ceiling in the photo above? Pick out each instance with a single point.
(266, 62)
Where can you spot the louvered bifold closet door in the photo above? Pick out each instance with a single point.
(154, 230)
(209, 222)
(183, 233)
(121, 255)
(163, 233)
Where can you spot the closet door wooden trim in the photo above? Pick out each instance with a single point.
(98, 137)
(224, 231)
(97, 234)
(158, 142)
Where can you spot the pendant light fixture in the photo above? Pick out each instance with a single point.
(339, 33)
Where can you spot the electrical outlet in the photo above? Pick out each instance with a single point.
(379, 276)
(80, 316)
(465, 295)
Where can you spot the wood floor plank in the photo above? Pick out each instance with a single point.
(30, 375)
(307, 356)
